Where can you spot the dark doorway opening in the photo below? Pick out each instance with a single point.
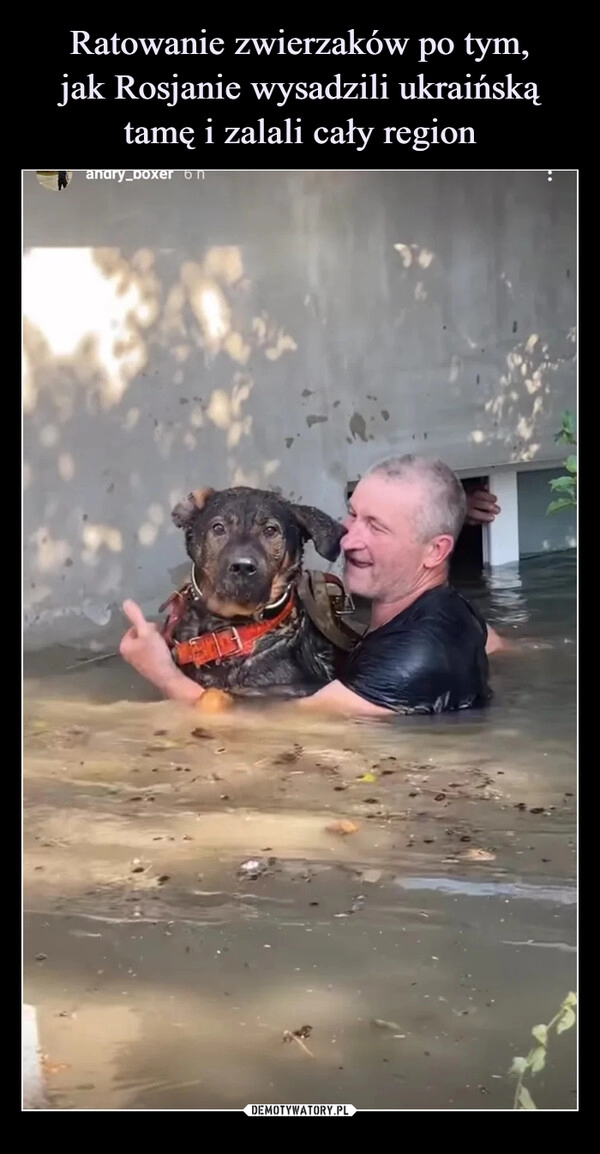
(467, 559)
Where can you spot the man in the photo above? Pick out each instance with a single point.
(425, 648)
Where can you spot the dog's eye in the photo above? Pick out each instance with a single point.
(270, 530)
(218, 528)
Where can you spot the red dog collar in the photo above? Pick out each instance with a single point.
(231, 641)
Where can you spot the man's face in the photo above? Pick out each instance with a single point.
(384, 560)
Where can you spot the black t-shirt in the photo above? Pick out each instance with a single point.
(428, 659)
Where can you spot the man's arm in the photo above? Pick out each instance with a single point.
(385, 677)
(336, 698)
(144, 648)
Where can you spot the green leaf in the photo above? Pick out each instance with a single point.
(571, 464)
(562, 484)
(566, 1020)
(568, 430)
(519, 1066)
(537, 1060)
(570, 1000)
(526, 1102)
(540, 1034)
(561, 503)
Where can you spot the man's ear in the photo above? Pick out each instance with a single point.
(440, 549)
(183, 512)
(321, 529)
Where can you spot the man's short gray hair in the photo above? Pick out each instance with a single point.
(444, 507)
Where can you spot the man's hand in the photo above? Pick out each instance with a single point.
(497, 644)
(482, 507)
(145, 649)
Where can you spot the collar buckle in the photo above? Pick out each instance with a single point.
(236, 638)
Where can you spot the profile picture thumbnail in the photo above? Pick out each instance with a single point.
(55, 181)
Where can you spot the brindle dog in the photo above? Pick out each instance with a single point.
(246, 548)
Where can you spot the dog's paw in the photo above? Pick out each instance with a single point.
(214, 701)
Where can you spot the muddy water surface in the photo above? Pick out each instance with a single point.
(198, 889)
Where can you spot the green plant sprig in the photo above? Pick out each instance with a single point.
(536, 1058)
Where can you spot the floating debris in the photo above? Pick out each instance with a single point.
(297, 1036)
(473, 854)
(372, 876)
(255, 868)
(343, 828)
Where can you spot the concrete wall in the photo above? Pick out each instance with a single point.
(539, 533)
(281, 329)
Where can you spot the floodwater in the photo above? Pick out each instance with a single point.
(398, 961)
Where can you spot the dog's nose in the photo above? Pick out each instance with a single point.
(243, 567)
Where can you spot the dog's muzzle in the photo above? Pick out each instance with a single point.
(244, 577)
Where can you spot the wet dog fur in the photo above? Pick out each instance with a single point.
(246, 546)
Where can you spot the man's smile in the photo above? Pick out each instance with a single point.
(357, 562)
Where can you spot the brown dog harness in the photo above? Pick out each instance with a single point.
(328, 608)
(324, 608)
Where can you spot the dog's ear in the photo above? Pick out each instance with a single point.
(323, 531)
(183, 512)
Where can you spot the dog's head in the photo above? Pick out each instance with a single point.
(246, 545)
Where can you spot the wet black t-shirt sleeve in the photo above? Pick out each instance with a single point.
(428, 660)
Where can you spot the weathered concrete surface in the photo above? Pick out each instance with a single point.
(284, 329)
